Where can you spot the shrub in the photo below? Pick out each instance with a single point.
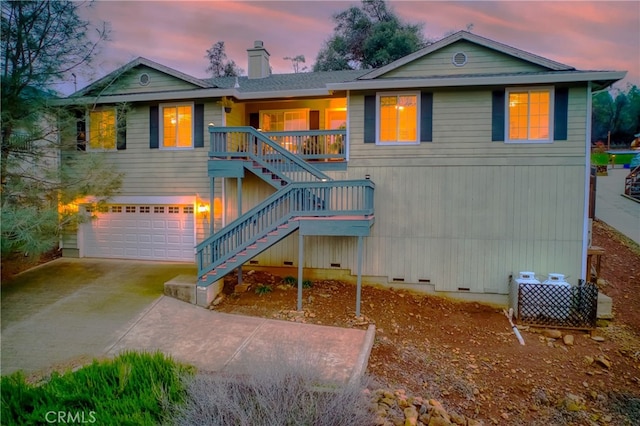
(133, 388)
(289, 280)
(263, 289)
(288, 390)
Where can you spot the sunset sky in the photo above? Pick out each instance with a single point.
(595, 35)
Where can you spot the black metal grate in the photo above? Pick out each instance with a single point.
(556, 305)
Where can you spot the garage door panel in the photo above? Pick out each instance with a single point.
(117, 238)
(140, 232)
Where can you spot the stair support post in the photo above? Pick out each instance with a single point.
(300, 264)
(359, 279)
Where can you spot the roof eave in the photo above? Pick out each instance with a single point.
(193, 94)
(149, 97)
(603, 77)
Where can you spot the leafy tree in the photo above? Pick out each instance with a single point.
(295, 62)
(42, 43)
(219, 65)
(618, 112)
(369, 36)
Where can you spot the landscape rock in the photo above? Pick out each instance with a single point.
(553, 334)
(568, 339)
(398, 408)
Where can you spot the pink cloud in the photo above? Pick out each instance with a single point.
(587, 35)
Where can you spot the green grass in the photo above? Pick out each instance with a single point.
(132, 389)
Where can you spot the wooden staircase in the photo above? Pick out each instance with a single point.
(302, 192)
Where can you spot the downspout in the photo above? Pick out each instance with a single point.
(587, 178)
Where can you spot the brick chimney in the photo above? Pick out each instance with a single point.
(258, 61)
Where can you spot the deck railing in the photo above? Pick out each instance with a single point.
(325, 198)
(247, 143)
(323, 145)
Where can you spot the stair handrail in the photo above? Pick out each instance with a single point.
(305, 207)
(260, 137)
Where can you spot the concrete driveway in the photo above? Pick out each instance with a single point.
(73, 310)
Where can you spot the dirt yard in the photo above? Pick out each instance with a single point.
(465, 354)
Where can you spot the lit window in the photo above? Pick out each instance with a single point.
(280, 120)
(177, 126)
(529, 115)
(397, 118)
(102, 130)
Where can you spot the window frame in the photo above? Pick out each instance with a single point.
(417, 95)
(161, 108)
(507, 116)
(306, 112)
(89, 138)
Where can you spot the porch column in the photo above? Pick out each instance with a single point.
(211, 212)
(359, 280)
(239, 196)
(300, 262)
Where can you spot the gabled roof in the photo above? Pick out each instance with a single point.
(114, 75)
(473, 38)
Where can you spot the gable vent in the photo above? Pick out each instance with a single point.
(144, 79)
(459, 59)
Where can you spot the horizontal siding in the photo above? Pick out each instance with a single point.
(480, 60)
(161, 172)
(462, 136)
(459, 227)
(159, 82)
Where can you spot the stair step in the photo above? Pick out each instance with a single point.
(262, 240)
(252, 246)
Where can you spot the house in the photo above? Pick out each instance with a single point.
(446, 171)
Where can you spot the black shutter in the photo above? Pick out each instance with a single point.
(497, 116)
(198, 122)
(426, 117)
(314, 120)
(121, 130)
(370, 119)
(560, 114)
(81, 130)
(154, 127)
(254, 120)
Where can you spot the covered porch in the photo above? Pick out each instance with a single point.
(315, 130)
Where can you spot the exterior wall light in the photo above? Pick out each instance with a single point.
(203, 209)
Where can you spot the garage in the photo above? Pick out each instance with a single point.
(135, 231)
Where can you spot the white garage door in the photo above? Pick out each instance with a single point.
(150, 232)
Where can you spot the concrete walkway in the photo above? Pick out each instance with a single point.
(615, 210)
(74, 309)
